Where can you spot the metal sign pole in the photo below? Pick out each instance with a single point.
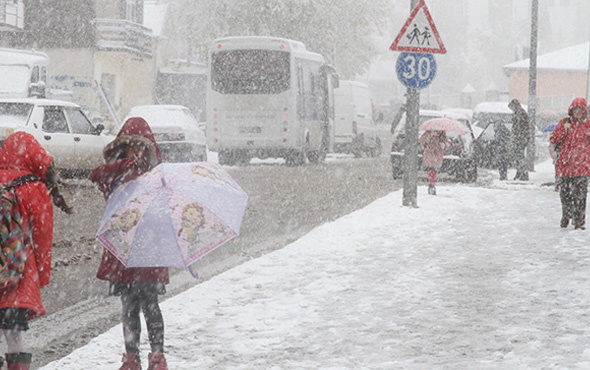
(410, 192)
(532, 111)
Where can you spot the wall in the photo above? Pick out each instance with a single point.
(555, 89)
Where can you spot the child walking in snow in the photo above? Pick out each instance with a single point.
(133, 153)
(22, 155)
(433, 144)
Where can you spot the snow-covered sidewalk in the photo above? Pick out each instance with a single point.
(475, 278)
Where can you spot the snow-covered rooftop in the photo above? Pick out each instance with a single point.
(154, 15)
(572, 58)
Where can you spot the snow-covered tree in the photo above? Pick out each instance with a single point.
(343, 31)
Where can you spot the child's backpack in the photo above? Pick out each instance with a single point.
(12, 237)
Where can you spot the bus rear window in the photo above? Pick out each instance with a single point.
(250, 72)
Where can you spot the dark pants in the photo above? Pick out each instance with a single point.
(573, 192)
(522, 169)
(144, 298)
(502, 162)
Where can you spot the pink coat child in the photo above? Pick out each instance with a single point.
(433, 144)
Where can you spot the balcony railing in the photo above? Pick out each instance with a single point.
(120, 34)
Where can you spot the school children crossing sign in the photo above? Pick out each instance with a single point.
(419, 34)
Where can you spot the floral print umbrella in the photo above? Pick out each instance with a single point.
(172, 215)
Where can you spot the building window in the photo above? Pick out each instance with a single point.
(12, 13)
(131, 10)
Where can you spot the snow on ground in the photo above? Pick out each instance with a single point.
(475, 278)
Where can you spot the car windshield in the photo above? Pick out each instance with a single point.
(483, 118)
(250, 71)
(14, 79)
(489, 133)
(14, 114)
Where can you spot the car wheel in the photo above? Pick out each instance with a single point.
(396, 167)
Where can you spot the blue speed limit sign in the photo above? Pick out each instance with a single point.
(416, 70)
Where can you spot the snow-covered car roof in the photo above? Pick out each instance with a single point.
(43, 102)
(494, 107)
(163, 115)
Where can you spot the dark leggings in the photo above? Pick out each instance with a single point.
(132, 303)
(573, 191)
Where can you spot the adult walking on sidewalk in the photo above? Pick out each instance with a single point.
(572, 135)
(433, 144)
(520, 135)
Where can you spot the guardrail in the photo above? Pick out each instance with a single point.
(120, 34)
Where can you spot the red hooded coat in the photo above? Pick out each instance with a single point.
(22, 154)
(116, 172)
(574, 143)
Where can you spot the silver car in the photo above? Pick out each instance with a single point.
(176, 131)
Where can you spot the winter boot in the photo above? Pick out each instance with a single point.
(18, 361)
(131, 361)
(157, 362)
(431, 189)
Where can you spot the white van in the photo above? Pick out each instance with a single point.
(23, 73)
(354, 130)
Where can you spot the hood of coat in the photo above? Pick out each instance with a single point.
(23, 152)
(135, 131)
(578, 102)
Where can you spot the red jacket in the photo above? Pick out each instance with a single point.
(114, 173)
(574, 143)
(22, 154)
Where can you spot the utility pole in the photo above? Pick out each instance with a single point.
(533, 84)
(410, 192)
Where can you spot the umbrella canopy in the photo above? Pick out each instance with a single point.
(444, 124)
(172, 215)
(550, 127)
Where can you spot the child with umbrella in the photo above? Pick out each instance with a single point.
(133, 153)
(433, 143)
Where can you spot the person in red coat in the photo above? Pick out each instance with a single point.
(21, 154)
(133, 153)
(572, 137)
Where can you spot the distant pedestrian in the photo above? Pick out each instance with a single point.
(433, 144)
(501, 145)
(133, 153)
(572, 135)
(520, 136)
(21, 155)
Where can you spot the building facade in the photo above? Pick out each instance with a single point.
(101, 52)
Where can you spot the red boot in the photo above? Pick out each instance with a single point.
(18, 361)
(157, 362)
(131, 361)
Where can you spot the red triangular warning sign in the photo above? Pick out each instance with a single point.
(419, 34)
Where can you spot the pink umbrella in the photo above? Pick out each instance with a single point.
(444, 124)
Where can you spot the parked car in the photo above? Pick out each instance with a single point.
(61, 127)
(354, 129)
(459, 159)
(484, 116)
(176, 131)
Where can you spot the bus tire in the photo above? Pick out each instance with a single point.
(318, 156)
(226, 157)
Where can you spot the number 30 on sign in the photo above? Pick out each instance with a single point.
(416, 70)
